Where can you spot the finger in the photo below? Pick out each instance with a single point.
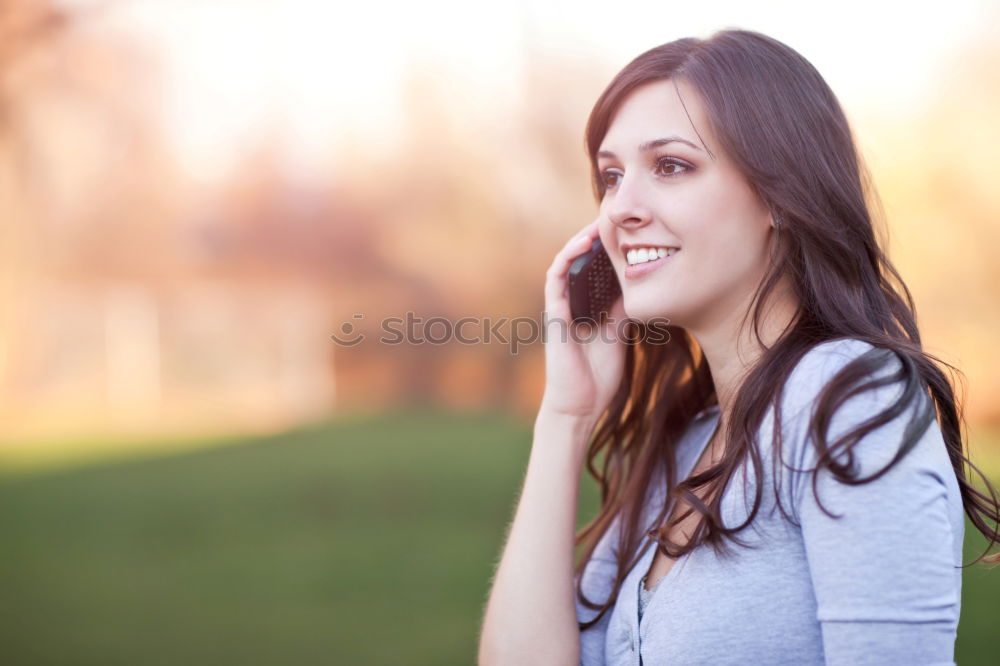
(555, 277)
(556, 283)
(589, 232)
(572, 249)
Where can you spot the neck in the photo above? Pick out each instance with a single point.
(732, 349)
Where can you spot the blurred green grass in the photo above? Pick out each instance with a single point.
(369, 540)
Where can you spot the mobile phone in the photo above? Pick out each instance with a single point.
(593, 285)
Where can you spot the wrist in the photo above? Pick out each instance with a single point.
(579, 425)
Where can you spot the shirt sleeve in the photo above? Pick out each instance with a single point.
(884, 576)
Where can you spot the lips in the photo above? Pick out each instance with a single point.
(635, 271)
(643, 254)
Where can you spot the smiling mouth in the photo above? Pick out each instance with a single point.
(642, 268)
(642, 255)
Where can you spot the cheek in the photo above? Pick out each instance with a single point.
(737, 258)
(606, 231)
(728, 246)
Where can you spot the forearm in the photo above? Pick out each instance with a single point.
(531, 616)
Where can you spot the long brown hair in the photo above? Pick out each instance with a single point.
(780, 123)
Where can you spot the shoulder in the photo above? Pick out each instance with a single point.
(825, 359)
(821, 364)
(878, 415)
(872, 399)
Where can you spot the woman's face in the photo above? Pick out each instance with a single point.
(675, 195)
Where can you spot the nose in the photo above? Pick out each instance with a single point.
(627, 208)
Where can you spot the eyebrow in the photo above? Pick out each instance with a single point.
(647, 146)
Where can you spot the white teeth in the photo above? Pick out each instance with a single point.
(644, 254)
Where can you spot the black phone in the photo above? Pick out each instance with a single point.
(593, 285)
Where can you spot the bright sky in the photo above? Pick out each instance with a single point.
(318, 67)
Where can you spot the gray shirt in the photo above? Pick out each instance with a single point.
(880, 585)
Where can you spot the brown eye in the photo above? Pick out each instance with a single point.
(606, 177)
(671, 166)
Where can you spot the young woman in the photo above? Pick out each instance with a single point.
(783, 481)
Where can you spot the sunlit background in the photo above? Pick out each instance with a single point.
(196, 194)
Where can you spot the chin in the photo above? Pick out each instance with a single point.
(643, 311)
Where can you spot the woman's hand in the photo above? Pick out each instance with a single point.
(583, 361)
